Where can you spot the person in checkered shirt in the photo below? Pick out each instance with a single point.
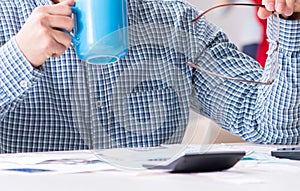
(51, 100)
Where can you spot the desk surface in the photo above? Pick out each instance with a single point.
(82, 170)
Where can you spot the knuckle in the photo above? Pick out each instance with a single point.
(41, 19)
(40, 15)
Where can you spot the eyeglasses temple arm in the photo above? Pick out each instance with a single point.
(269, 82)
(226, 5)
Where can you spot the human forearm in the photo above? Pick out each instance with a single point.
(276, 118)
(263, 113)
(281, 100)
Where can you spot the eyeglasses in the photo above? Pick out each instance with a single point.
(271, 70)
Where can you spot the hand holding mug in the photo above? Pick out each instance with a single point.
(41, 36)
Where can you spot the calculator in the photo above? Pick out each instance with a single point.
(202, 162)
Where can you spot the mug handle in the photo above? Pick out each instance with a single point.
(74, 35)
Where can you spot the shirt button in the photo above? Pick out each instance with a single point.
(99, 104)
(23, 84)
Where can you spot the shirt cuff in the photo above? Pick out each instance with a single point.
(289, 33)
(19, 75)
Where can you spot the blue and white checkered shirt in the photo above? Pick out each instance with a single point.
(143, 99)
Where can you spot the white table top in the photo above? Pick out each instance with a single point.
(81, 170)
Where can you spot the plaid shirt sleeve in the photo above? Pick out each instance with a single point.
(277, 108)
(17, 75)
(279, 120)
(262, 114)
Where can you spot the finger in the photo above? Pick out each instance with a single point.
(67, 2)
(290, 4)
(265, 12)
(61, 22)
(58, 50)
(56, 44)
(280, 6)
(269, 5)
(60, 9)
(62, 38)
(57, 9)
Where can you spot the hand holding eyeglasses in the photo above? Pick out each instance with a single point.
(283, 7)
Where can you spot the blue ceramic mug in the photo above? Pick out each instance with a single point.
(100, 30)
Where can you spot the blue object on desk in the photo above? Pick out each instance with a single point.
(28, 170)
